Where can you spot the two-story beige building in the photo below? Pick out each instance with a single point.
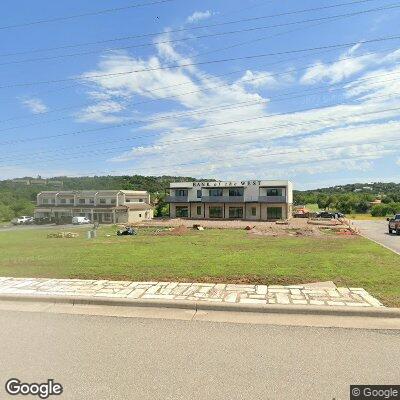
(103, 206)
(248, 200)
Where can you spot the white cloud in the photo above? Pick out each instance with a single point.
(35, 105)
(346, 66)
(198, 16)
(186, 139)
(398, 162)
(257, 79)
(103, 112)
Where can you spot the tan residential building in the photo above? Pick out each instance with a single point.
(248, 200)
(103, 206)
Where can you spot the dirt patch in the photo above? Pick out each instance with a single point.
(180, 230)
(295, 227)
(282, 231)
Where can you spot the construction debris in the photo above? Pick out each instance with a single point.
(198, 227)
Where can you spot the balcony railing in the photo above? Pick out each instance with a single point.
(176, 199)
(272, 199)
(222, 199)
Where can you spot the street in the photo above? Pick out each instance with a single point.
(102, 357)
(378, 231)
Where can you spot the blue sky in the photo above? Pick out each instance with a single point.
(166, 103)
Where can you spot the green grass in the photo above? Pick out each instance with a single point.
(366, 217)
(312, 207)
(210, 255)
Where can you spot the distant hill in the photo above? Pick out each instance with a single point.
(376, 188)
(18, 196)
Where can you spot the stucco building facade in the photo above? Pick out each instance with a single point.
(258, 200)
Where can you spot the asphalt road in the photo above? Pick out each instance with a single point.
(99, 357)
(378, 231)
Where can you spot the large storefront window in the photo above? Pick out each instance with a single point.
(235, 212)
(215, 212)
(274, 213)
(181, 192)
(236, 192)
(274, 192)
(215, 192)
(182, 211)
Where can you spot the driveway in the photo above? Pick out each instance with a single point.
(378, 231)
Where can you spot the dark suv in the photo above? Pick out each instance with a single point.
(330, 215)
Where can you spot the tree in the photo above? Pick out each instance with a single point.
(381, 210)
(323, 201)
(6, 213)
(362, 207)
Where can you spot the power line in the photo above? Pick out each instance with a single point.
(153, 91)
(178, 95)
(201, 138)
(188, 28)
(297, 150)
(92, 130)
(204, 62)
(283, 97)
(87, 14)
(324, 19)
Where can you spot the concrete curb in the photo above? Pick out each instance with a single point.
(377, 312)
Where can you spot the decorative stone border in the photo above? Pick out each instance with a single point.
(207, 292)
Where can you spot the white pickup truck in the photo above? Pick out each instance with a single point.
(394, 224)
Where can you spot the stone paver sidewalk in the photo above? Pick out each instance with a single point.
(229, 293)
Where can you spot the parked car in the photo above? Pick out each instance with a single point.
(63, 220)
(23, 220)
(43, 220)
(330, 214)
(394, 224)
(80, 220)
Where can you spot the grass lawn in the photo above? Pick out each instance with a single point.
(312, 207)
(366, 217)
(210, 255)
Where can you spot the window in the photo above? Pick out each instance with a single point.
(215, 212)
(127, 200)
(107, 217)
(53, 201)
(71, 201)
(181, 211)
(236, 192)
(198, 210)
(81, 201)
(102, 201)
(235, 212)
(274, 192)
(274, 213)
(215, 192)
(253, 211)
(91, 201)
(181, 192)
(140, 200)
(113, 201)
(45, 201)
(63, 201)
(199, 194)
(140, 215)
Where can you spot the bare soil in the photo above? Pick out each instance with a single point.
(293, 227)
